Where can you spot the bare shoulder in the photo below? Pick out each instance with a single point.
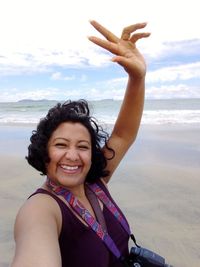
(39, 208)
(37, 232)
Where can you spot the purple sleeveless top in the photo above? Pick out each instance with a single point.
(80, 246)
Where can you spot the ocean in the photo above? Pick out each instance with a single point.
(156, 111)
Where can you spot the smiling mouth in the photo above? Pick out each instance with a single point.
(70, 168)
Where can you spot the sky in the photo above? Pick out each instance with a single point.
(45, 52)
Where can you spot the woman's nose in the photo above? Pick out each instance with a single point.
(72, 154)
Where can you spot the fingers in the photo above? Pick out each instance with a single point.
(112, 42)
(127, 31)
(138, 36)
(110, 46)
(105, 32)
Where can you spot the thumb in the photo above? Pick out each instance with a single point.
(120, 60)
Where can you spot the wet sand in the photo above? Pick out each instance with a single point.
(156, 185)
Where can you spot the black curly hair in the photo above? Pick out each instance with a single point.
(70, 111)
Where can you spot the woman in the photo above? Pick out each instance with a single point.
(67, 148)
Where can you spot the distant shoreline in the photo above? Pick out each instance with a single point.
(101, 100)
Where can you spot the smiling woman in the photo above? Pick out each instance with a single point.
(59, 224)
(69, 150)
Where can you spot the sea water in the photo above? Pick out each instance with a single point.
(156, 111)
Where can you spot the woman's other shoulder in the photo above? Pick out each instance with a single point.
(36, 232)
(38, 209)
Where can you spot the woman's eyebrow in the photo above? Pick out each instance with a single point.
(84, 141)
(63, 138)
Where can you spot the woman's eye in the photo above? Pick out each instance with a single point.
(82, 147)
(61, 145)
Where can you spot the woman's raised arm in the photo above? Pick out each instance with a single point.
(128, 56)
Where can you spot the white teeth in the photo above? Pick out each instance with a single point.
(70, 168)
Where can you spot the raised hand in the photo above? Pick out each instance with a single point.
(124, 48)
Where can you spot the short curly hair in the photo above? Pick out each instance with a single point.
(69, 111)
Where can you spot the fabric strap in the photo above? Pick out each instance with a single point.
(105, 199)
(77, 206)
(110, 205)
(96, 207)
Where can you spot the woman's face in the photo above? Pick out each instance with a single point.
(69, 149)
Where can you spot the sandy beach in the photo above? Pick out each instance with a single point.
(156, 185)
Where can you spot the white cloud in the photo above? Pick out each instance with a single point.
(113, 92)
(168, 74)
(36, 34)
(15, 94)
(172, 91)
(168, 49)
(44, 60)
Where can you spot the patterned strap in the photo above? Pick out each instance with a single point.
(109, 204)
(85, 215)
(96, 207)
